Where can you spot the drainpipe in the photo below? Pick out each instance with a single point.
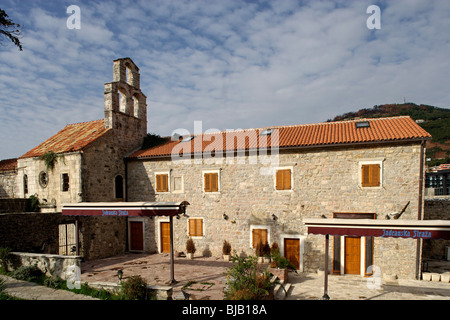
(419, 210)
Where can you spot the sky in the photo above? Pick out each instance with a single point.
(231, 64)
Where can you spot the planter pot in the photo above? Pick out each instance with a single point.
(260, 260)
(226, 257)
(266, 259)
(282, 274)
(190, 255)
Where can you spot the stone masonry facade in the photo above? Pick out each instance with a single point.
(324, 181)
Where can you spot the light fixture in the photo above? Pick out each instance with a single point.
(225, 216)
(274, 217)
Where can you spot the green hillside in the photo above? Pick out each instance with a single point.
(435, 120)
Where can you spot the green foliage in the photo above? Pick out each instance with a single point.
(134, 288)
(226, 249)
(190, 246)
(153, 140)
(10, 29)
(54, 283)
(274, 248)
(278, 261)
(28, 273)
(33, 204)
(50, 158)
(246, 281)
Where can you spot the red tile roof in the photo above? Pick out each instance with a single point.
(74, 137)
(8, 165)
(321, 134)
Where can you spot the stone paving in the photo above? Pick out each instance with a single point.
(205, 276)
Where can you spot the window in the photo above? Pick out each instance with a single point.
(118, 187)
(196, 227)
(162, 182)
(25, 184)
(43, 179)
(370, 175)
(283, 179)
(178, 184)
(65, 182)
(211, 181)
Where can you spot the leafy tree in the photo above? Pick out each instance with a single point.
(10, 29)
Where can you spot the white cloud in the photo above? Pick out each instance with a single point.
(231, 64)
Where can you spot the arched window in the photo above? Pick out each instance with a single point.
(122, 101)
(118, 187)
(136, 106)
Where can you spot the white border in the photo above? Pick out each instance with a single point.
(203, 228)
(136, 219)
(218, 171)
(302, 239)
(169, 185)
(275, 178)
(259, 226)
(379, 161)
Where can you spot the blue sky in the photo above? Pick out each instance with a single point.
(230, 64)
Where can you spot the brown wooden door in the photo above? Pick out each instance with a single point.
(136, 236)
(292, 251)
(165, 237)
(352, 255)
(259, 235)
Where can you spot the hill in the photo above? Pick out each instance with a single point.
(433, 119)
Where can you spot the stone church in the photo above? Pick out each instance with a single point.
(243, 186)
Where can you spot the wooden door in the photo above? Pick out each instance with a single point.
(352, 255)
(259, 235)
(292, 251)
(136, 236)
(165, 237)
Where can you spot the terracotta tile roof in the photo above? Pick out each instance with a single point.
(74, 137)
(320, 134)
(8, 165)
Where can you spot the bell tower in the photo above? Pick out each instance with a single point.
(125, 104)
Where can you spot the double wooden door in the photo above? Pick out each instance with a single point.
(165, 237)
(352, 255)
(136, 236)
(292, 251)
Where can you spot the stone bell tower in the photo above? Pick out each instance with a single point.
(125, 104)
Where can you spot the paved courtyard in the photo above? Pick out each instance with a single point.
(206, 274)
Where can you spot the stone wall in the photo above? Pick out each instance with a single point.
(51, 265)
(7, 184)
(436, 208)
(325, 180)
(99, 237)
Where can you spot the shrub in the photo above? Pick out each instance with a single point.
(266, 250)
(226, 249)
(54, 283)
(28, 273)
(246, 280)
(259, 251)
(134, 288)
(274, 248)
(190, 246)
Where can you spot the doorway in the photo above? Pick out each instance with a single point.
(352, 263)
(292, 251)
(136, 235)
(165, 237)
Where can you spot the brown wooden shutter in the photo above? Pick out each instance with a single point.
(370, 175)
(279, 180)
(195, 227)
(207, 182)
(287, 179)
(162, 183)
(214, 182)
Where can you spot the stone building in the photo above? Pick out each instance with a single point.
(259, 184)
(89, 163)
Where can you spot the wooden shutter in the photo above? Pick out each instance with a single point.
(162, 183)
(283, 179)
(211, 182)
(195, 227)
(259, 235)
(370, 175)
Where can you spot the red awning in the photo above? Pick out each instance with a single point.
(411, 229)
(124, 209)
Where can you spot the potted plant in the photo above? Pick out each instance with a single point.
(259, 251)
(226, 250)
(280, 265)
(190, 248)
(266, 252)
